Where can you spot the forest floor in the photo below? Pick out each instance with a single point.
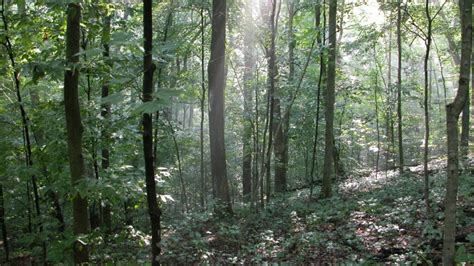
(377, 218)
(372, 218)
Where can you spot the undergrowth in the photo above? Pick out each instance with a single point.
(377, 223)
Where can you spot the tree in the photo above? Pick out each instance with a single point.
(399, 87)
(377, 127)
(328, 171)
(75, 130)
(4, 226)
(453, 110)
(201, 125)
(154, 210)
(278, 120)
(269, 16)
(216, 76)
(249, 68)
(105, 113)
(321, 38)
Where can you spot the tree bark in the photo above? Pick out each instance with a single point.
(154, 210)
(75, 130)
(453, 111)
(328, 171)
(216, 75)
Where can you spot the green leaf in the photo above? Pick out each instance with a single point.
(150, 107)
(91, 52)
(113, 98)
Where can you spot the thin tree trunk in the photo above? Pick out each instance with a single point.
(471, 150)
(257, 177)
(154, 210)
(95, 208)
(278, 120)
(441, 71)
(264, 161)
(328, 173)
(426, 190)
(376, 88)
(105, 113)
(75, 130)
(169, 21)
(216, 74)
(180, 171)
(389, 114)
(399, 88)
(249, 67)
(453, 111)
(465, 122)
(282, 129)
(24, 120)
(57, 210)
(321, 37)
(201, 128)
(28, 208)
(191, 116)
(4, 226)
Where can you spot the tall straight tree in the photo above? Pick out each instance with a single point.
(426, 190)
(75, 129)
(202, 102)
(249, 68)
(147, 123)
(4, 226)
(105, 113)
(216, 75)
(399, 86)
(320, 38)
(278, 121)
(328, 171)
(453, 110)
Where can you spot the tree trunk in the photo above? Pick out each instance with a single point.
(399, 88)
(201, 126)
(278, 121)
(25, 126)
(4, 226)
(184, 196)
(75, 130)
(321, 37)
(105, 114)
(376, 88)
(328, 172)
(216, 75)
(389, 113)
(471, 149)
(453, 111)
(464, 145)
(426, 190)
(154, 210)
(249, 67)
